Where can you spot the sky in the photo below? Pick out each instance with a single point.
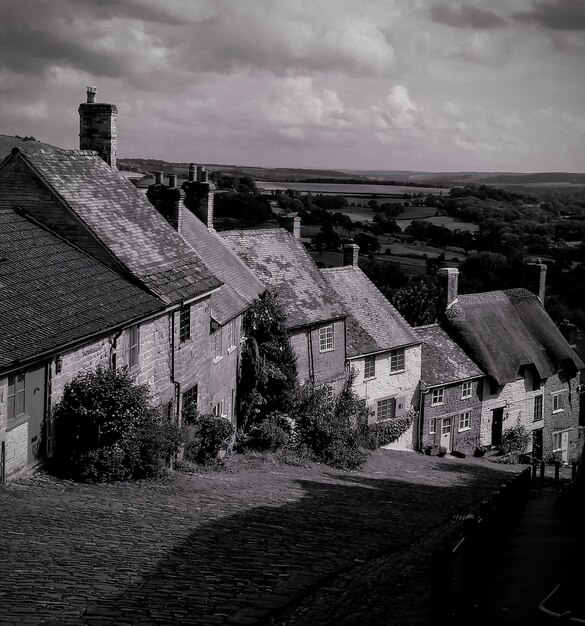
(343, 84)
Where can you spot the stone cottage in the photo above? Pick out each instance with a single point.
(381, 347)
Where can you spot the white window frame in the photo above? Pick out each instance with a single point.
(397, 360)
(390, 404)
(184, 323)
(16, 392)
(131, 356)
(370, 367)
(231, 335)
(466, 390)
(433, 426)
(216, 342)
(464, 421)
(558, 399)
(438, 396)
(327, 338)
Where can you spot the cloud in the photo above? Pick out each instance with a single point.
(566, 15)
(465, 16)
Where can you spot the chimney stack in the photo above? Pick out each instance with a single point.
(191, 172)
(537, 279)
(449, 281)
(172, 181)
(199, 194)
(97, 127)
(351, 253)
(158, 178)
(293, 225)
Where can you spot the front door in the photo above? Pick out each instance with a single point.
(446, 433)
(497, 418)
(34, 403)
(537, 444)
(565, 447)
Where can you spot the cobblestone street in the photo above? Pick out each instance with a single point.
(268, 545)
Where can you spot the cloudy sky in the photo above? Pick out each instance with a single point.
(385, 84)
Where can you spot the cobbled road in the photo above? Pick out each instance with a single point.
(269, 544)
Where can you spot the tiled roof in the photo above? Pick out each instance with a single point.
(443, 361)
(54, 294)
(240, 286)
(505, 330)
(373, 325)
(281, 262)
(119, 216)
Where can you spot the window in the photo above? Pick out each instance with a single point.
(231, 334)
(15, 396)
(465, 421)
(216, 344)
(558, 404)
(326, 339)
(438, 395)
(466, 390)
(219, 408)
(167, 412)
(190, 399)
(557, 442)
(185, 323)
(432, 426)
(370, 367)
(397, 360)
(385, 409)
(446, 426)
(132, 349)
(537, 408)
(494, 387)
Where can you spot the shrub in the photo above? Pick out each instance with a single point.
(382, 433)
(271, 434)
(208, 435)
(106, 429)
(515, 439)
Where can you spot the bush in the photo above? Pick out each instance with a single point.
(515, 440)
(382, 433)
(271, 434)
(207, 436)
(106, 429)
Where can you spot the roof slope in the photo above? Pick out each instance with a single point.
(281, 262)
(374, 325)
(121, 218)
(240, 286)
(505, 330)
(443, 361)
(54, 294)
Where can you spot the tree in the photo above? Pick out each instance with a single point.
(419, 302)
(367, 243)
(327, 238)
(268, 374)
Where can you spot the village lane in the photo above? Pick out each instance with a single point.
(222, 547)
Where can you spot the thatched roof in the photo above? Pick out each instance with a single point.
(503, 331)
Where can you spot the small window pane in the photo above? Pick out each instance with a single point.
(432, 426)
(370, 367)
(326, 341)
(397, 360)
(466, 390)
(185, 323)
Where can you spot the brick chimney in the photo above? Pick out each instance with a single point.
(199, 194)
(293, 225)
(449, 285)
(168, 201)
(537, 279)
(97, 127)
(351, 253)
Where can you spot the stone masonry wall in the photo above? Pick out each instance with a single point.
(566, 419)
(453, 406)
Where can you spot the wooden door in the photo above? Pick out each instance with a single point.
(497, 418)
(446, 433)
(34, 403)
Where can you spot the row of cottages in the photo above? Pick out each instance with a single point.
(92, 275)
(530, 372)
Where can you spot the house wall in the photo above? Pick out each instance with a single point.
(387, 384)
(328, 367)
(453, 405)
(16, 439)
(567, 419)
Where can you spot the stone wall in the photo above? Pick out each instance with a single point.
(566, 419)
(453, 406)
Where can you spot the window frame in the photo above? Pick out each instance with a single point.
(440, 391)
(370, 367)
(538, 401)
(327, 338)
(465, 418)
(217, 345)
(132, 347)
(466, 390)
(184, 323)
(18, 392)
(191, 395)
(400, 365)
(432, 426)
(558, 399)
(231, 335)
(391, 408)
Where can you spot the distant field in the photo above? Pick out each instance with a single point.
(348, 189)
(441, 220)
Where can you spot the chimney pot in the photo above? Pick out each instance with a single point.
(449, 277)
(191, 172)
(91, 93)
(351, 252)
(199, 173)
(537, 279)
(172, 181)
(158, 178)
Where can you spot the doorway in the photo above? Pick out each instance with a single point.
(446, 433)
(497, 419)
(537, 444)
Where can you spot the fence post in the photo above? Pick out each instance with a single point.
(441, 585)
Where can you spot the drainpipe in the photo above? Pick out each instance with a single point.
(311, 360)
(421, 412)
(176, 383)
